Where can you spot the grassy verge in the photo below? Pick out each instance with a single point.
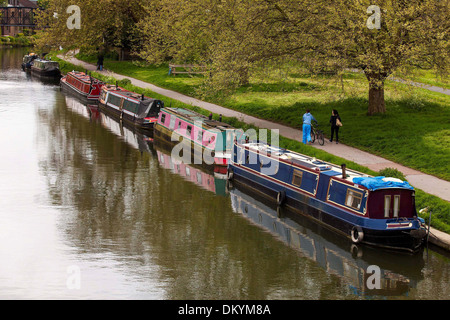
(439, 207)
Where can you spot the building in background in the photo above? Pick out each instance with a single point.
(17, 17)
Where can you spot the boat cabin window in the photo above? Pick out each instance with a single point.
(130, 106)
(387, 206)
(353, 199)
(297, 178)
(163, 118)
(199, 135)
(114, 100)
(172, 122)
(189, 130)
(396, 206)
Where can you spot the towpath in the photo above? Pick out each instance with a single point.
(427, 183)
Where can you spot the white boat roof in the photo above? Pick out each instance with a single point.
(307, 161)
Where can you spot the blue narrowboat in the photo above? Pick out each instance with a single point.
(376, 211)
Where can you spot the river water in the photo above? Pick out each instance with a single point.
(92, 210)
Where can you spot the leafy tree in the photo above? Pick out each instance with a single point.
(104, 24)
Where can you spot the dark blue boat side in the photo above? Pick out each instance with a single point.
(372, 210)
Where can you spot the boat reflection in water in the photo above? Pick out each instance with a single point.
(201, 175)
(132, 137)
(349, 262)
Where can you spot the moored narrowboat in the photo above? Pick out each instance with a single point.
(376, 211)
(131, 108)
(82, 85)
(207, 139)
(46, 68)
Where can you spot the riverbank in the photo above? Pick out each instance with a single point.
(19, 41)
(431, 186)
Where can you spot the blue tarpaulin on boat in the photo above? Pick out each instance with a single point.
(375, 183)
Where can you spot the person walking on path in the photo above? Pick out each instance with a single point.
(335, 125)
(307, 119)
(100, 62)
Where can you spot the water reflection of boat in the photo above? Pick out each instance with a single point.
(136, 139)
(197, 174)
(88, 112)
(399, 273)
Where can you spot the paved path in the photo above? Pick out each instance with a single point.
(427, 183)
(413, 83)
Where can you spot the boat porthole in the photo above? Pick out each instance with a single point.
(281, 196)
(357, 234)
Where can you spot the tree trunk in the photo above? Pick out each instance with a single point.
(376, 100)
(244, 77)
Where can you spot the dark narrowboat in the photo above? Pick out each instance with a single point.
(82, 85)
(207, 138)
(131, 108)
(376, 211)
(46, 68)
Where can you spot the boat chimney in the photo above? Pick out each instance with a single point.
(343, 171)
(142, 97)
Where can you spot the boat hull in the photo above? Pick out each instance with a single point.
(54, 73)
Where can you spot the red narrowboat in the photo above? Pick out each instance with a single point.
(82, 85)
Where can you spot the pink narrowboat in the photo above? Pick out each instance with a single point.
(210, 136)
(82, 85)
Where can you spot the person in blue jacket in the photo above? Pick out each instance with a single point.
(307, 119)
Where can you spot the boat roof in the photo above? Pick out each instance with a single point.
(126, 93)
(46, 61)
(326, 168)
(194, 116)
(82, 76)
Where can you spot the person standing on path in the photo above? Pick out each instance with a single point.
(334, 125)
(100, 62)
(307, 119)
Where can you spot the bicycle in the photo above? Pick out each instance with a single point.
(316, 133)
